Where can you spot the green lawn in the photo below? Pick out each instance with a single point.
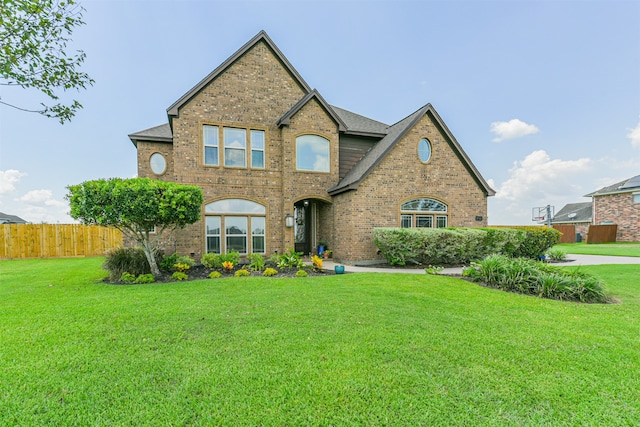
(354, 349)
(616, 249)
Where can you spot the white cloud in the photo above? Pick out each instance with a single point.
(538, 177)
(9, 179)
(514, 128)
(634, 136)
(40, 197)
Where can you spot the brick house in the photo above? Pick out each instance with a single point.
(619, 204)
(279, 167)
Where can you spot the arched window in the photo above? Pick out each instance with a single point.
(312, 153)
(423, 212)
(235, 225)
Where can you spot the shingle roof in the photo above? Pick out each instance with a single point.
(574, 212)
(361, 125)
(11, 219)
(352, 179)
(160, 133)
(626, 186)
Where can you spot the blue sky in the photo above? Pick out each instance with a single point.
(544, 96)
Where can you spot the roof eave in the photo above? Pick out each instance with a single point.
(338, 190)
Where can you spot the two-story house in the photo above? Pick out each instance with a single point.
(280, 167)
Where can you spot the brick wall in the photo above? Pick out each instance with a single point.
(400, 177)
(619, 209)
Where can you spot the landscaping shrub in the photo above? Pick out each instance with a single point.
(531, 277)
(127, 277)
(537, 241)
(145, 278)
(179, 275)
(270, 272)
(256, 262)
(289, 259)
(301, 273)
(213, 260)
(126, 260)
(168, 261)
(557, 254)
(242, 273)
(215, 275)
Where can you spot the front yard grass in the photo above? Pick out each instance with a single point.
(354, 349)
(613, 249)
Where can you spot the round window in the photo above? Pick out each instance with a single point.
(158, 163)
(424, 150)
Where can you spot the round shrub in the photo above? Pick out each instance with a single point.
(301, 273)
(145, 278)
(179, 275)
(242, 273)
(270, 272)
(127, 277)
(130, 260)
(215, 275)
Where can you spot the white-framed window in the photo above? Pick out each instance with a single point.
(636, 198)
(423, 213)
(424, 150)
(235, 225)
(211, 145)
(235, 147)
(312, 153)
(257, 149)
(158, 163)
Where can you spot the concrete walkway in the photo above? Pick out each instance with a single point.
(572, 260)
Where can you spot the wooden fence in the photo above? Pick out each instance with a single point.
(568, 232)
(602, 233)
(56, 240)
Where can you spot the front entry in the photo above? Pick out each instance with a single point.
(304, 226)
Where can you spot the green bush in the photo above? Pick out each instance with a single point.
(256, 262)
(168, 261)
(213, 260)
(531, 277)
(242, 273)
(289, 259)
(270, 272)
(179, 275)
(129, 260)
(145, 278)
(557, 254)
(127, 277)
(215, 275)
(537, 241)
(301, 273)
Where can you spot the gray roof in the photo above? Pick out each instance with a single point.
(160, 133)
(11, 219)
(352, 179)
(174, 109)
(626, 186)
(361, 125)
(574, 212)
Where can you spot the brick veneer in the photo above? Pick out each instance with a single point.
(253, 93)
(619, 209)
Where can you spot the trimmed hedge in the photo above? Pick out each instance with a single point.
(437, 246)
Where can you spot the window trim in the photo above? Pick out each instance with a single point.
(437, 217)
(205, 145)
(296, 149)
(243, 149)
(164, 159)
(262, 150)
(430, 145)
(248, 214)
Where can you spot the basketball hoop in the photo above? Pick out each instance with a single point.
(542, 214)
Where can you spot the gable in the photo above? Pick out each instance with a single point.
(395, 134)
(260, 40)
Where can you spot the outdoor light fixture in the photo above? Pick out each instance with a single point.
(288, 220)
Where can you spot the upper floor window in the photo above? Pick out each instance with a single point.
(312, 153)
(237, 145)
(257, 149)
(423, 212)
(211, 157)
(424, 150)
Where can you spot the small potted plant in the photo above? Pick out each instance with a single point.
(327, 253)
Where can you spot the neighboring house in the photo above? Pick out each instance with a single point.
(577, 215)
(281, 168)
(619, 204)
(11, 219)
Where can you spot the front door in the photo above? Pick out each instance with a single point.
(302, 227)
